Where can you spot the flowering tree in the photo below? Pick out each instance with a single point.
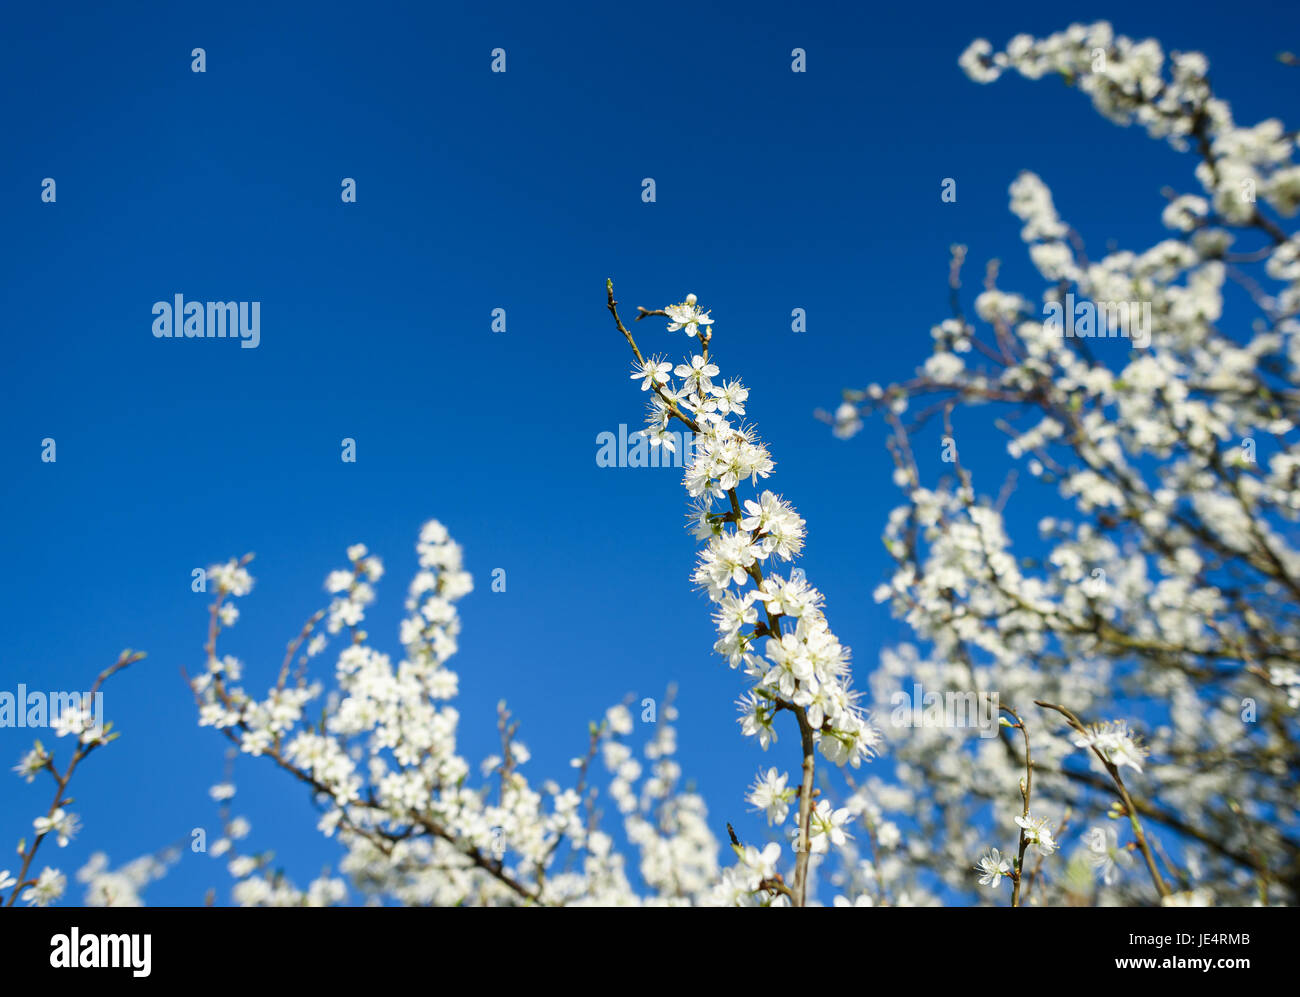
(382, 761)
(105, 887)
(1142, 652)
(803, 669)
(383, 767)
(1163, 597)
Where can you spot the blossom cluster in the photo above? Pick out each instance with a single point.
(1157, 600)
(61, 825)
(383, 766)
(771, 624)
(1163, 580)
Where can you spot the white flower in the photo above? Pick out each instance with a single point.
(769, 793)
(1038, 834)
(60, 823)
(756, 719)
(1116, 743)
(944, 367)
(687, 316)
(619, 719)
(731, 398)
(992, 868)
(888, 835)
(652, 372)
(761, 513)
(976, 62)
(1104, 853)
(696, 375)
(761, 865)
(31, 764)
(339, 581)
(48, 888)
(826, 825)
(242, 866)
(75, 720)
(231, 579)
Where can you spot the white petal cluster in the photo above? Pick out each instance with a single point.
(382, 763)
(1161, 466)
(122, 887)
(759, 609)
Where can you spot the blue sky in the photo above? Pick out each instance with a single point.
(477, 191)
